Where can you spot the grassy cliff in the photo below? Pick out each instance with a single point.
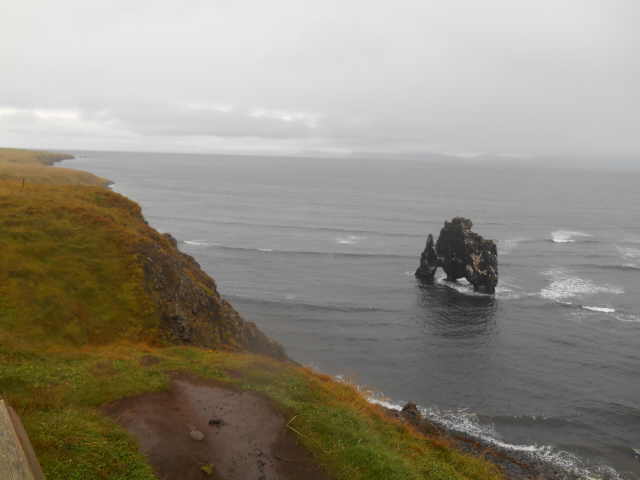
(89, 293)
(32, 167)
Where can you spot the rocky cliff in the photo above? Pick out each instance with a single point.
(461, 253)
(191, 309)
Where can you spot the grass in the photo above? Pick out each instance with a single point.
(32, 167)
(76, 323)
(59, 393)
(69, 269)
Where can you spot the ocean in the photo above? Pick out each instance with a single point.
(320, 253)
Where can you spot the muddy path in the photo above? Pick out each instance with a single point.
(200, 429)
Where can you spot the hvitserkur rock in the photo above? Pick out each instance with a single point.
(462, 254)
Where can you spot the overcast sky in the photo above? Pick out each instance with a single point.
(499, 77)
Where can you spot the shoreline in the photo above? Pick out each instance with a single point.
(517, 465)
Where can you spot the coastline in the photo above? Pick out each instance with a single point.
(516, 464)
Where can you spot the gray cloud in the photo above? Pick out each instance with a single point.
(543, 77)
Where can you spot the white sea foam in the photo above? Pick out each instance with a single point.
(628, 252)
(265, 249)
(462, 286)
(630, 255)
(564, 285)
(349, 239)
(567, 236)
(197, 243)
(627, 317)
(599, 309)
(465, 422)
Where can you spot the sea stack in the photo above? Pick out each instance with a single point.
(462, 254)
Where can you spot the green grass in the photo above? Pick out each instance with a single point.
(59, 393)
(33, 167)
(69, 269)
(76, 320)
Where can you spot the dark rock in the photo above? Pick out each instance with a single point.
(411, 413)
(428, 261)
(171, 239)
(462, 254)
(189, 305)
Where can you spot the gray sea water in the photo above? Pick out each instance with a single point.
(321, 255)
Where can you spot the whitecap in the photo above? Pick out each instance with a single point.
(628, 252)
(627, 317)
(630, 255)
(567, 236)
(599, 309)
(265, 250)
(565, 286)
(197, 243)
(349, 239)
(460, 286)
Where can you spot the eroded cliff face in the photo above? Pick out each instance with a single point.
(191, 309)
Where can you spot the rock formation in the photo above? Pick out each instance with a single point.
(190, 307)
(462, 254)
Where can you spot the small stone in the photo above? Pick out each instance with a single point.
(196, 435)
(207, 469)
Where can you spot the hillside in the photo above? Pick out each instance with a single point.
(97, 309)
(32, 167)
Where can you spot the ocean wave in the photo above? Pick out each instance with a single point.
(627, 317)
(628, 252)
(631, 256)
(349, 239)
(599, 309)
(275, 226)
(503, 292)
(626, 267)
(197, 243)
(462, 421)
(568, 236)
(564, 286)
(289, 302)
(217, 246)
(609, 311)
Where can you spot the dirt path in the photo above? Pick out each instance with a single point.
(244, 437)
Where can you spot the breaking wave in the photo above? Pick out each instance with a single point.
(349, 239)
(217, 246)
(503, 292)
(462, 421)
(275, 226)
(289, 302)
(631, 256)
(568, 236)
(599, 309)
(564, 286)
(197, 243)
